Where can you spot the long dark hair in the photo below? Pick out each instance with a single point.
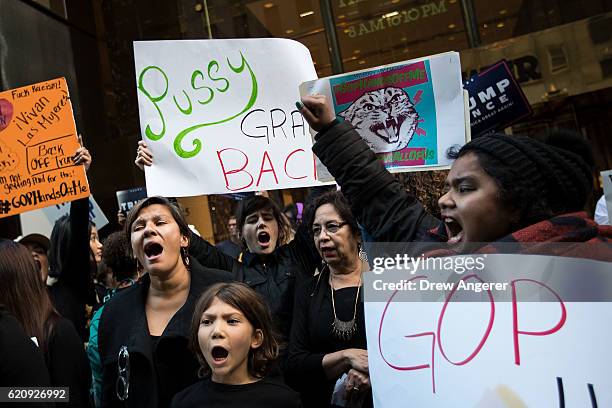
(254, 308)
(23, 293)
(59, 248)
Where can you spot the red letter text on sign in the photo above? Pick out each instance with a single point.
(271, 169)
(486, 333)
(287, 160)
(516, 331)
(408, 368)
(234, 171)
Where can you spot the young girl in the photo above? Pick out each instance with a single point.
(232, 336)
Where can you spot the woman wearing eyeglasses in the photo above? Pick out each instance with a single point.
(144, 330)
(328, 341)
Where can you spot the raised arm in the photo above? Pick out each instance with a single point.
(382, 206)
(75, 274)
(210, 256)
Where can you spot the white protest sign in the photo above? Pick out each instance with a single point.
(607, 187)
(42, 221)
(528, 343)
(220, 115)
(409, 113)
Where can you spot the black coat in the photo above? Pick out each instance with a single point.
(312, 338)
(67, 362)
(378, 200)
(74, 288)
(158, 372)
(21, 362)
(274, 279)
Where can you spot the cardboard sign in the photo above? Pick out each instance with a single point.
(397, 109)
(537, 335)
(496, 100)
(220, 115)
(38, 140)
(128, 198)
(42, 221)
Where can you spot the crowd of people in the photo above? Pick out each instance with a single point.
(273, 317)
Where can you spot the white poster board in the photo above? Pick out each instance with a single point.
(409, 112)
(493, 352)
(607, 187)
(42, 221)
(220, 115)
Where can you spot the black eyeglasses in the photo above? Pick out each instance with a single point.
(122, 387)
(330, 227)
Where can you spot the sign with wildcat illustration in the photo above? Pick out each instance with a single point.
(396, 109)
(220, 115)
(496, 99)
(38, 140)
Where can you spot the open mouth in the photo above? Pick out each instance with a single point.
(153, 249)
(327, 252)
(389, 131)
(38, 264)
(219, 354)
(453, 230)
(263, 238)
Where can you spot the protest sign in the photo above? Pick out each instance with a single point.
(42, 221)
(508, 331)
(128, 198)
(607, 187)
(397, 109)
(38, 140)
(496, 99)
(238, 196)
(220, 115)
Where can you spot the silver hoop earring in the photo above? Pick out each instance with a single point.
(185, 256)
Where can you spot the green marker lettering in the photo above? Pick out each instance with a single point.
(198, 73)
(197, 144)
(148, 132)
(215, 64)
(187, 110)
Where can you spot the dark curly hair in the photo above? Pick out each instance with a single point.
(116, 256)
(254, 308)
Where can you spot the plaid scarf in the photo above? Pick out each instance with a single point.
(539, 238)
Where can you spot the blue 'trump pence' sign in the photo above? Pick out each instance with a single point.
(496, 99)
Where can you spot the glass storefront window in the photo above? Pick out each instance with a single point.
(298, 20)
(56, 6)
(511, 18)
(377, 32)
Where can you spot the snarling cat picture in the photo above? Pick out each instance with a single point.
(386, 118)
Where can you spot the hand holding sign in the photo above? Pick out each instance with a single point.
(144, 156)
(317, 110)
(82, 155)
